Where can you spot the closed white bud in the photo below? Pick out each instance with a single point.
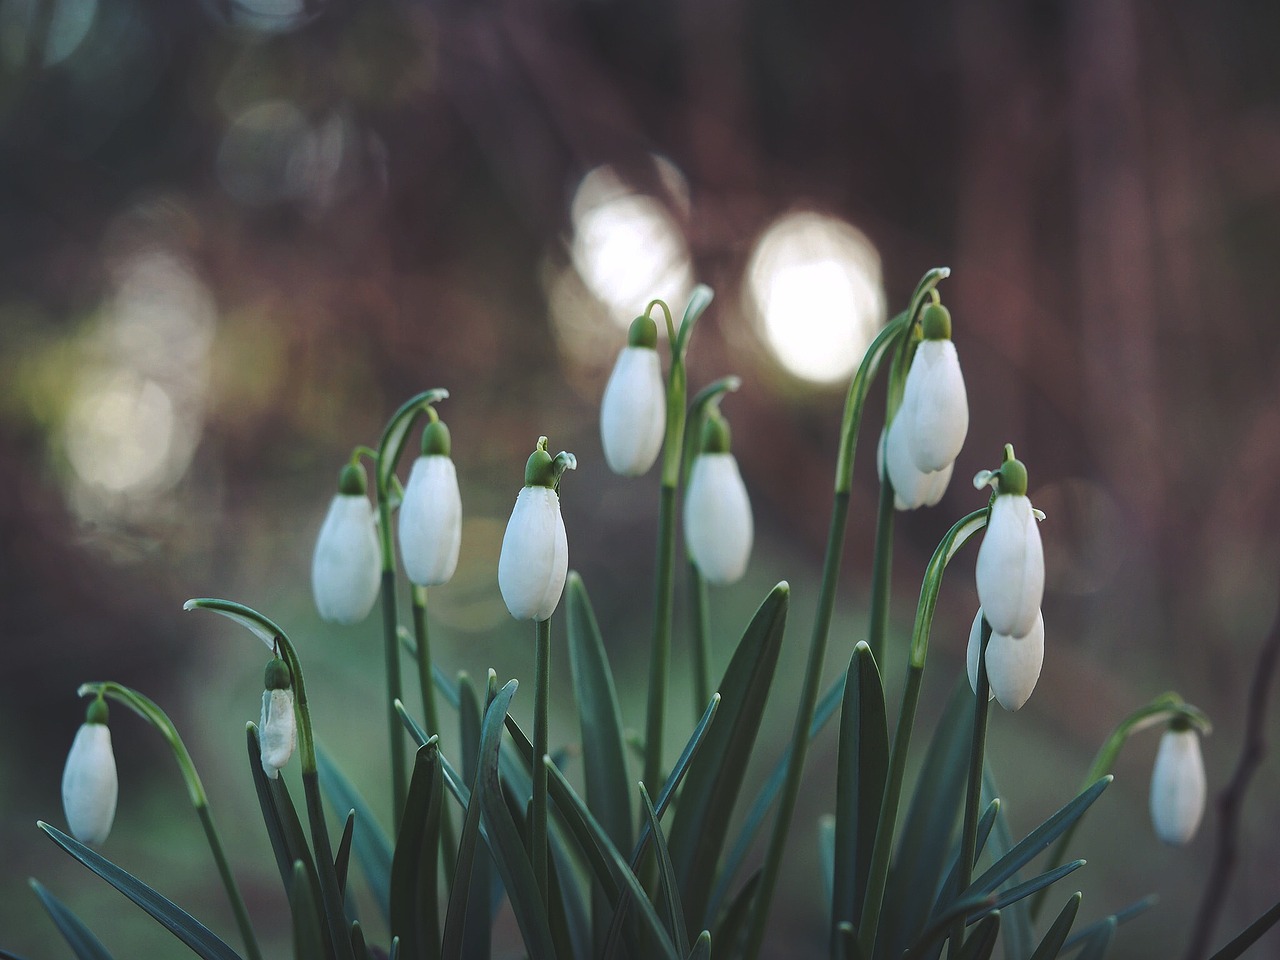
(1178, 786)
(346, 569)
(1010, 567)
(535, 555)
(912, 488)
(717, 518)
(1013, 664)
(90, 786)
(277, 733)
(431, 521)
(633, 413)
(936, 405)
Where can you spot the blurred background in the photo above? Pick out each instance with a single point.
(237, 234)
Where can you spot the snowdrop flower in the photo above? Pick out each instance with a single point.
(633, 413)
(89, 783)
(535, 550)
(911, 487)
(934, 402)
(1010, 568)
(1178, 784)
(431, 512)
(277, 733)
(1013, 664)
(346, 568)
(717, 513)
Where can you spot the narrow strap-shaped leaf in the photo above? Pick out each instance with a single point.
(1038, 839)
(848, 939)
(415, 862)
(1124, 915)
(666, 877)
(1249, 935)
(287, 844)
(732, 932)
(1098, 942)
(1056, 935)
(1016, 933)
(715, 777)
(342, 859)
(308, 931)
(479, 909)
(373, 848)
(1021, 891)
(862, 763)
(82, 941)
(940, 922)
(827, 855)
(982, 942)
(202, 941)
(358, 946)
(702, 948)
(947, 893)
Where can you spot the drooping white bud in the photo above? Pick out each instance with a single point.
(1178, 786)
(277, 731)
(431, 521)
(90, 786)
(717, 518)
(1010, 567)
(936, 406)
(911, 487)
(1013, 664)
(535, 555)
(633, 413)
(346, 567)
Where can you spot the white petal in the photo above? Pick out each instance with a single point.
(535, 555)
(346, 569)
(431, 521)
(973, 652)
(633, 413)
(939, 408)
(277, 733)
(717, 518)
(1178, 787)
(911, 487)
(1010, 567)
(89, 784)
(1013, 665)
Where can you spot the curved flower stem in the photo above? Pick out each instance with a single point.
(541, 685)
(147, 709)
(448, 843)
(973, 793)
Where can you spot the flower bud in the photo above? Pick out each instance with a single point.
(277, 732)
(534, 560)
(934, 399)
(431, 512)
(1010, 567)
(346, 568)
(1178, 786)
(90, 786)
(633, 412)
(911, 487)
(717, 512)
(1013, 664)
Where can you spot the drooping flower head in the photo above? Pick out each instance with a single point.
(534, 561)
(717, 512)
(1010, 567)
(934, 402)
(431, 511)
(90, 786)
(633, 412)
(346, 566)
(277, 731)
(1178, 786)
(911, 488)
(1013, 663)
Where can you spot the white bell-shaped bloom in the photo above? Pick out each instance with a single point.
(1010, 567)
(346, 569)
(633, 413)
(277, 732)
(535, 555)
(1178, 786)
(936, 406)
(431, 521)
(90, 786)
(1013, 663)
(912, 488)
(717, 518)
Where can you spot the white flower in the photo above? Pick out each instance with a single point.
(346, 569)
(1013, 664)
(535, 555)
(431, 521)
(277, 733)
(1178, 786)
(936, 406)
(633, 413)
(89, 784)
(717, 518)
(1010, 568)
(911, 487)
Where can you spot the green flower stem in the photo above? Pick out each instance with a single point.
(881, 573)
(391, 654)
(541, 685)
(973, 793)
(878, 874)
(1160, 710)
(701, 616)
(660, 650)
(448, 843)
(147, 709)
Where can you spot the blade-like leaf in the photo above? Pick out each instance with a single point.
(415, 863)
(715, 777)
(1098, 942)
(342, 859)
(371, 845)
(1056, 935)
(732, 931)
(1035, 884)
(308, 931)
(862, 763)
(79, 938)
(358, 946)
(202, 941)
(1015, 926)
(1249, 935)
(848, 941)
(480, 902)
(941, 922)
(1124, 915)
(666, 877)
(827, 854)
(982, 942)
(702, 949)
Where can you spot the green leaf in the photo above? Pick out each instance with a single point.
(982, 942)
(1016, 927)
(827, 854)
(1124, 915)
(415, 865)
(1020, 892)
(479, 905)
(716, 775)
(342, 860)
(938, 925)
(1058, 930)
(371, 845)
(202, 941)
(731, 934)
(948, 892)
(667, 878)
(358, 946)
(465, 895)
(79, 938)
(263, 627)
(1249, 935)
(699, 300)
(862, 763)
(702, 949)
(848, 942)
(1098, 942)
(308, 931)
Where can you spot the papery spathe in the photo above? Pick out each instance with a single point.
(535, 555)
(346, 568)
(90, 786)
(936, 406)
(717, 518)
(1178, 786)
(1010, 567)
(431, 521)
(277, 731)
(633, 413)
(1013, 664)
